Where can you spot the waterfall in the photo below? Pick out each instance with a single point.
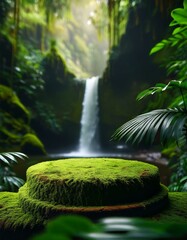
(89, 137)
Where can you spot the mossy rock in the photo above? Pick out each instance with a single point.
(15, 127)
(92, 182)
(14, 221)
(47, 210)
(26, 211)
(12, 215)
(11, 103)
(32, 145)
(176, 210)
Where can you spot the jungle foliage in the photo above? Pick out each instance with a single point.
(166, 124)
(8, 179)
(26, 55)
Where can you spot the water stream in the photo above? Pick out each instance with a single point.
(89, 135)
(89, 144)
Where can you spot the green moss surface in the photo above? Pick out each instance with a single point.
(23, 211)
(11, 103)
(32, 145)
(12, 215)
(14, 120)
(92, 182)
(15, 124)
(13, 218)
(46, 210)
(176, 211)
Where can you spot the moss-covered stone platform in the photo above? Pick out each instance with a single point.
(91, 187)
(92, 182)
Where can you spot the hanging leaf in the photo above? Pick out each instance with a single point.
(161, 87)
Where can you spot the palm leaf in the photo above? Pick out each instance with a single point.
(168, 124)
(11, 182)
(9, 157)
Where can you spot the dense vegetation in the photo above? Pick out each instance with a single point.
(46, 47)
(169, 125)
(39, 73)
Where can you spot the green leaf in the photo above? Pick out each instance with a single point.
(143, 94)
(175, 83)
(165, 130)
(180, 16)
(178, 84)
(184, 85)
(70, 225)
(2, 158)
(151, 91)
(173, 23)
(184, 179)
(179, 30)
(159, 46)
(174, 42)
(19, 155)
(145, 127)
(12, 182)
(185, 4)
(7, 157)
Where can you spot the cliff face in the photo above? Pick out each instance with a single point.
(15, 125)
(130, 69)
(46, 101)
(59, 129)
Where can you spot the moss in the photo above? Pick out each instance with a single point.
(54, 69)
(12, 216)
(32, 145)
(14, 120)
(11, 103)
(15, 123)
(90, 182)
(171, 151)
(46, 210)
(21, 210)
(176, 210)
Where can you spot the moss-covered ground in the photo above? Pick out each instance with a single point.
(176, 210)
(21, 212)
(13, 219)
(46, 210)
(14, 223)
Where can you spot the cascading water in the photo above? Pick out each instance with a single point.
(89, 144)
(89, 136)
